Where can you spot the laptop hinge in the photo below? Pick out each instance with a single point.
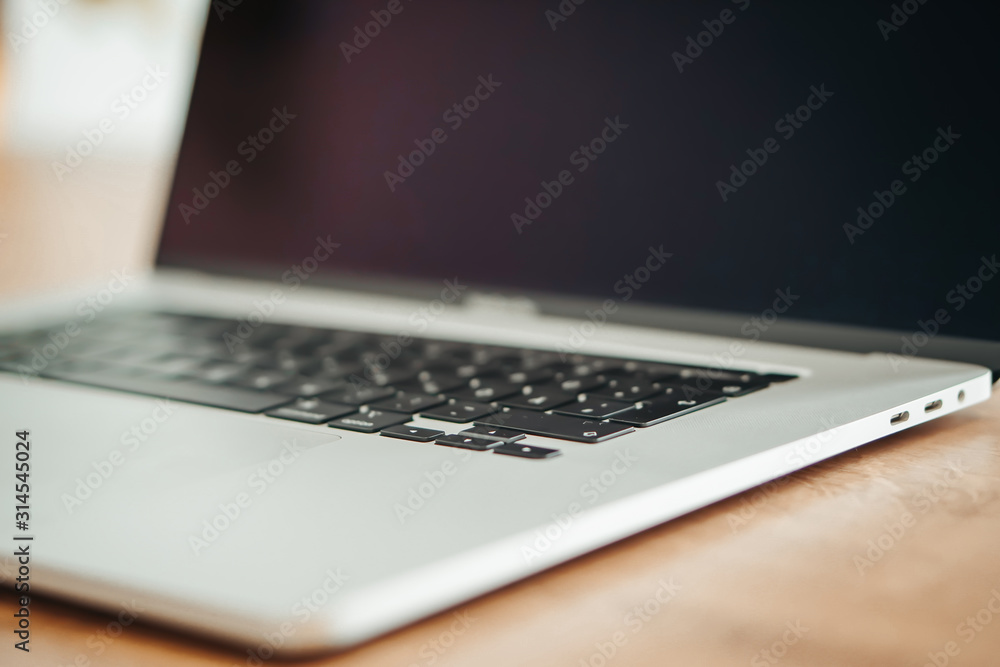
(500, 303)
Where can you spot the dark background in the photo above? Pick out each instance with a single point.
(655, 185)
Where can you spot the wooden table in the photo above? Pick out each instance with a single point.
(877, 557)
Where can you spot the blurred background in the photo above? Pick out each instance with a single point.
(93, 95)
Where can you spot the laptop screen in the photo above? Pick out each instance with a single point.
(724, 155)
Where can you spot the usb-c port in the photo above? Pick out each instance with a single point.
(932, 406)
(899, 419)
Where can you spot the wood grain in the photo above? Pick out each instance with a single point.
(876, 557)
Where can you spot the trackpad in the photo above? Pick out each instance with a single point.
(89, 445)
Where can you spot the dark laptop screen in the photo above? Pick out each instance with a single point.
(840, 154)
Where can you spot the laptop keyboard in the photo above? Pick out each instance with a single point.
(378, 384)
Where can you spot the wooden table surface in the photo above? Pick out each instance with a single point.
(886, 556)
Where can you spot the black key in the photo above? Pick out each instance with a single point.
(665, 372)
(441, 381)
(536, 360)
(493, 433)
(702, 388)
(509, 359)
(468, 442)
(459, 412)
(582, 385)
(217, 372)
(262, 379)
(411, 403)
(534, 376)
(485, 391)
(342, 346)
(331, 368)
(229, 398)
(606, 366)
(359, 395)
(414, 433)
(542, 397)
(555, 426)
(433, 387)
(594, 408)
(392, 376)
(372, 421)
(717, 375)
(586, 368)
(241, 355)
(739, 388)
(561, 369)
(309, 386)
(284, 360)
(724, 383)
(312, 411)
(480, 370)
(441, 349)
(652, 412)
(526, 451)
(628, 389)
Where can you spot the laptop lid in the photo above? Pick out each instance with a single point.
(813, 174)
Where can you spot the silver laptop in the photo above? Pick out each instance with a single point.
(451, 293)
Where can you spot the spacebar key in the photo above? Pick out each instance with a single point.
(229, 398)
(555, 426)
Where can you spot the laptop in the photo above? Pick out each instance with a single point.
(450, 293)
